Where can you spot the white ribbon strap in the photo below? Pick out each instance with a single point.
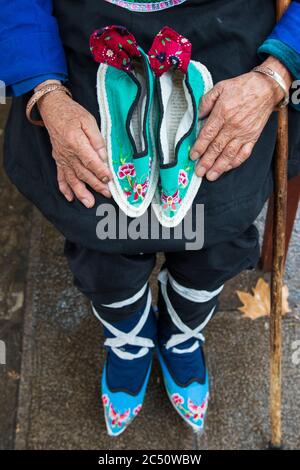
(130, 300)
(186, 332)
(189, 294)
(121, 339)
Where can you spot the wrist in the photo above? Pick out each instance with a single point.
(43, 93)
(49, 98)
(278, 67)
(47, 82)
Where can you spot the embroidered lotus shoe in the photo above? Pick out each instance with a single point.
(125, 85)
(180, 353)
(180, 85)
(126, 372)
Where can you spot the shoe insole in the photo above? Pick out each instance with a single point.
(177, 113)
(138, 116)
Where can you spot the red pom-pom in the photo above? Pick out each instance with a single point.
(115, 46)
(169, 49)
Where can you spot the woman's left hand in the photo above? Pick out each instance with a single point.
(238, 110)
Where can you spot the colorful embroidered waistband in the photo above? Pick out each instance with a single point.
(145, 6)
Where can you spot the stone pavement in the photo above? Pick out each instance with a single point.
(55, 404)
(15, 226)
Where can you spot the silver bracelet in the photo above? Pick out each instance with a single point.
(279, 80)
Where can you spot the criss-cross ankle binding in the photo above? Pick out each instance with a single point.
(186, 332)
(184, 371)
(122, 339)
(128, 364)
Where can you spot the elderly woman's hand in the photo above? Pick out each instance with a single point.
(238, 111)
(78, 148)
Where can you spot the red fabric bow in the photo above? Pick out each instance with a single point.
(114, 45)
(169, 49)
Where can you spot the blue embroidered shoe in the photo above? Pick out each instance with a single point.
(180, 85)
(182, 361)
(120, 408)
(125, 85)
(189, 400)
(127, 368)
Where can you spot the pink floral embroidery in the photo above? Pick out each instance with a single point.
(171, 201)
(137, 409)
(105, 400)
(183, 178)
(197, 411)
(140, 189)
(114, 45)
(126, 170)
(127, 193)
(169, 49)
(192, 411)
(177, 399)
(118, 419)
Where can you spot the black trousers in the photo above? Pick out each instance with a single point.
(108, 278)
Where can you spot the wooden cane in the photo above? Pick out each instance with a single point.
(279, 224)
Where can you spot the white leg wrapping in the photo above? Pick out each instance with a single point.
(189, 294)
(186, 332)
(121, 339)
(130, 300)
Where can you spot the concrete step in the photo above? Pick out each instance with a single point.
(15, 226)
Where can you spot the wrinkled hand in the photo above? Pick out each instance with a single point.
(238, 111)
(78, 148)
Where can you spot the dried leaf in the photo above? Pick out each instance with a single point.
(258, 304)
(13, 375)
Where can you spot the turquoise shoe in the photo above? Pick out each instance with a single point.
(189, 401)
(125, 85)
(181, 355)
(180, 85)
(127, 368)
(120, 408)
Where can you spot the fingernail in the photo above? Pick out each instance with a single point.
(105, 179)
(201, 170)
(103, 154)
(106, 193)
(69, 198)
(212, 175)
(194, 155)
(87, 203)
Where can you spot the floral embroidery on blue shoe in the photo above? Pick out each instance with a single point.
(189, 401)
(191, 410)
(121, 408)
(117, 420)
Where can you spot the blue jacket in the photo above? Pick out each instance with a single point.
(31, 50)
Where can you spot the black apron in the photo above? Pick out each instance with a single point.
(225, 35)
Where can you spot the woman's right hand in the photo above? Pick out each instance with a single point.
(78, 147)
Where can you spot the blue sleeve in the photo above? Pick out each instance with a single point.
(284, 41)
(30, 44)
(20, 88)
(288, 28)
